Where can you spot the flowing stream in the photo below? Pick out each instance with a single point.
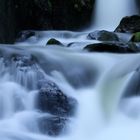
(98, 81)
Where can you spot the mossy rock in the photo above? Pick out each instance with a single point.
(136, 37)
(53, 41)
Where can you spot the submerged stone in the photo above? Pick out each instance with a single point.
(52, 126)
(129, 24)
(103, 36)
(52, 100)
(112, 47)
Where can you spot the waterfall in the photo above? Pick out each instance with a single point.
(62, 92)
(108, 13)
(91, 79)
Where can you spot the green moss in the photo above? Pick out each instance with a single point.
(136, 37)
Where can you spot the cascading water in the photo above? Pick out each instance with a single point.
(109, 12)
(97, 116)
(94, 82)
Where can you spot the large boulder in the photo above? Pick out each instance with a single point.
(52, 100)
(7, 21)
(112, 47)
(103, 36)
(129, 24)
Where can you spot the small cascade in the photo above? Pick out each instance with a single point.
(91, 80)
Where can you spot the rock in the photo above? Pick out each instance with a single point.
(52, 100)
(129, 24)
(135, 37)
(103, 36)
(52, 126)
(53, 41)
(7, 22)
(24, 35)
(113, 47)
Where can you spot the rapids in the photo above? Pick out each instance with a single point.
(98, 115)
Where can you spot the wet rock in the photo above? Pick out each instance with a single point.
(113, 47)
(52, 126)
(52, 100)
(129, 24)
(53, 41)
(24, 35)
(103, 36)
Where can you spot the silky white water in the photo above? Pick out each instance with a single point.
(98, 81)
(98, 116)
